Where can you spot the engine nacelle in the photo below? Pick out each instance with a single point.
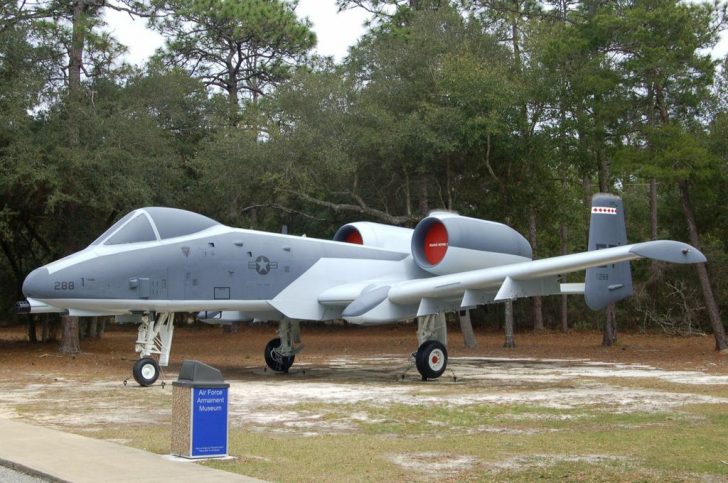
(446, 243)
(376, 235)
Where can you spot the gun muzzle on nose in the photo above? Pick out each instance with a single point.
(22, 307)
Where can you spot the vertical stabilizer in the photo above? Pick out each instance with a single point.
(608, 283)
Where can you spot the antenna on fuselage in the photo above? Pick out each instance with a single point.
(284, 229)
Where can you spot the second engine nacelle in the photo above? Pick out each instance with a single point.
(376, 235)
(446, 243)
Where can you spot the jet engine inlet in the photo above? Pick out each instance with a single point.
(446, 243)
(435, 243)
(377, 235)
(349, 234)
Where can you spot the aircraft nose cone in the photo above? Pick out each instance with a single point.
(37, 283)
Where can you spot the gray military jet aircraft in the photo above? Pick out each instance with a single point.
(157, 261)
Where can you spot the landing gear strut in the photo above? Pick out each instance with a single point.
(155, 337)
(280, 353)
(431, 357)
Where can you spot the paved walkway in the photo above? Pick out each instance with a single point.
(69, 457)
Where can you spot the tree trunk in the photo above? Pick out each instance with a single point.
(708, 297)
(83, 331)
(70, 342)
(587, 192)
(407, 194)
(466, 327)
(653, 209)
(233, 101)
(45, 329)
(424, 203)
(653, 284)
(93, 324)
(564, 234)
(75, 63)
(32, 338)
(603, 166)
(536, 302)
(101, 328)
(510, 341)
(449, 185)
(609, 335)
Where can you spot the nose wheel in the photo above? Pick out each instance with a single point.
(431, 359)
(146, 371)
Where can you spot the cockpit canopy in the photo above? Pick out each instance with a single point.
(154, 223)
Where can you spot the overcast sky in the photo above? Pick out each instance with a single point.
(335, 31)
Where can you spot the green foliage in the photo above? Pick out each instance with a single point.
(511, 110)
(239, 46)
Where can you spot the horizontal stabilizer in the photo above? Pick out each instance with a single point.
(668, 251)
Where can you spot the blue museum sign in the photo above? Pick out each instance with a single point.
(200, 399)
(209, 422)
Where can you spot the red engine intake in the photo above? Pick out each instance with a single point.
(352, 235)
(446, 243)
(376, 235)
(435, 243)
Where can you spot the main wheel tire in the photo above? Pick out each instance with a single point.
(431, 359)
(146, 371)
(274, 360)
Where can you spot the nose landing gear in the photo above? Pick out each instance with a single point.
(146, 371)
(155, 337)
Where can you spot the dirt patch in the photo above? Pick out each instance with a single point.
(338, 369)
(433, 465)
(544, 460)
(113, 355)
(354, 402)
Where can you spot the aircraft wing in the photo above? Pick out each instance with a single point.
(538, 277)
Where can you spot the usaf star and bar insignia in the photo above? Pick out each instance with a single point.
(262, 265)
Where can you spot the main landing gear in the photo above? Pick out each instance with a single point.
(155, 337)
(431, 357)
(280, 352)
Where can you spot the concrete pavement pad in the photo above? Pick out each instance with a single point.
(70, 457)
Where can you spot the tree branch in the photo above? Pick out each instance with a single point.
(360, 208)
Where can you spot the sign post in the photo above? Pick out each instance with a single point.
(199, 412)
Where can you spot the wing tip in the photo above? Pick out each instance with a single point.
(669, 251)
